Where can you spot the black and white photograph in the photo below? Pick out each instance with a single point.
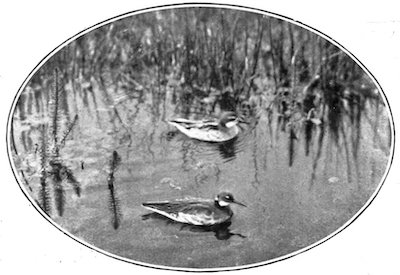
(200, 137)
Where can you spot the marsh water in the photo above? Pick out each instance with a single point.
(90, 139)
(299, 185)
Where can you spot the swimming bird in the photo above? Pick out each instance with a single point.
(196, 211)
(212, 130)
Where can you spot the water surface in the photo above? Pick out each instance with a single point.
(90, 142)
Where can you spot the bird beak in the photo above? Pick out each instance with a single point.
(240, 203)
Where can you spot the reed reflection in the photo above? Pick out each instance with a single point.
(50, 138)
(227, 149)
(114, 202)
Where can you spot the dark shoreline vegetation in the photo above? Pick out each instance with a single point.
(288, 83)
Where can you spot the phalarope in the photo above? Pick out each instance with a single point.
(196, 212)
(213, 130)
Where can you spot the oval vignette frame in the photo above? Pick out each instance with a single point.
(226, 6)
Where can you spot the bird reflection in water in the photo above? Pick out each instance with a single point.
(221, 231)
(228, 149)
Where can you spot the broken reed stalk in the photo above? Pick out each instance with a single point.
(114, 202)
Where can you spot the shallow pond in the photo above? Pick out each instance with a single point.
(299, 186)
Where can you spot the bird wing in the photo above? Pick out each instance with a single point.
(189, 124)
(162, 206)
(197, 214)
(190, 212)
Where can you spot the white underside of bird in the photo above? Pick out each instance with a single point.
(206, 130)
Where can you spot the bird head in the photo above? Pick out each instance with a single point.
(228, 119)
(224, 199)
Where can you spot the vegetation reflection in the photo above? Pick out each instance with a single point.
(302, 99)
